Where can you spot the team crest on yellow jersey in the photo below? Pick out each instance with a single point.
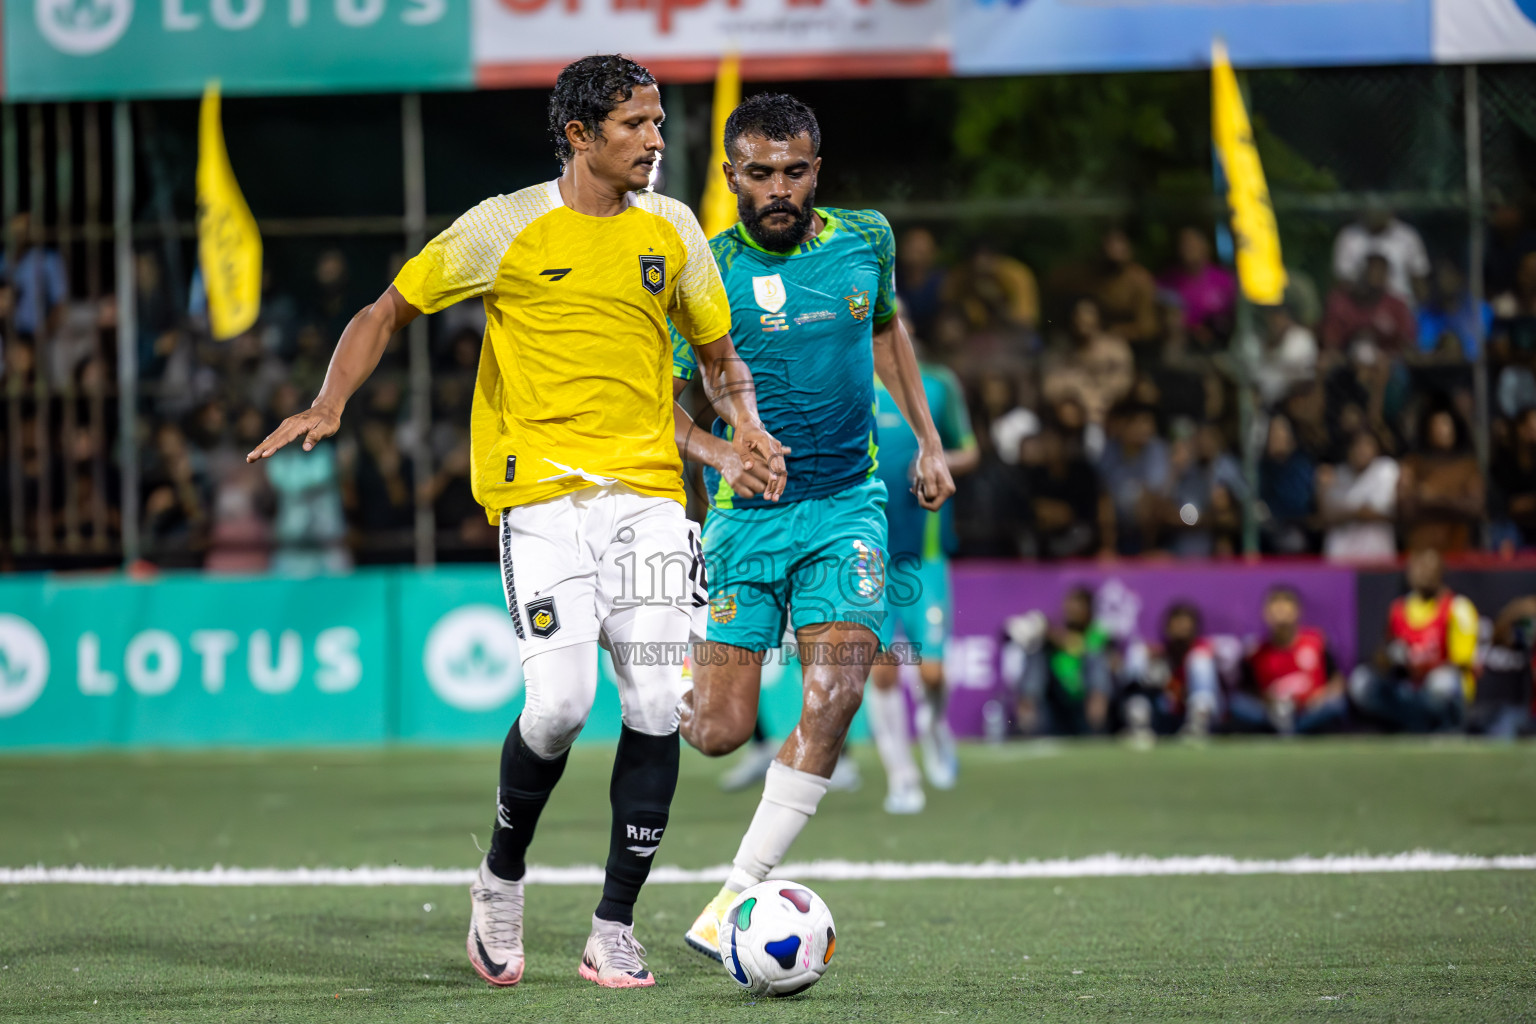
(858, 305)
(653, 273)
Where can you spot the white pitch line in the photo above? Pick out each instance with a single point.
(1108, 865)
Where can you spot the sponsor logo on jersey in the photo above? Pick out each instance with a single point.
(769, 292)
(775, 321)
(819, 315)
(653, 273)
(722, 609)
(858, 305)
(543, 619)
(558, 273)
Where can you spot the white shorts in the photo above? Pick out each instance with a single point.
(604, 563)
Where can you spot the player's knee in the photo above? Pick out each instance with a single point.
(932, 673)
(720, 736)
(551, 730)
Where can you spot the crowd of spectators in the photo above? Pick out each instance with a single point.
(1107, 399)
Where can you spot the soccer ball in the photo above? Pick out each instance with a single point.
(777, 938)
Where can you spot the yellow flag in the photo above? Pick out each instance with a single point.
(719, 206)
(1259, 268)
(228, 244)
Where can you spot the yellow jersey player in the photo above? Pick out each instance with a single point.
(574, 455)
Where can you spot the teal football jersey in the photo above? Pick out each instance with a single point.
(913, 530)
(804, 322)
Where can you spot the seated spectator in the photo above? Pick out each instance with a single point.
(1073, 519)
(1184, 377)
(1420, 679)
(1449, 326)
(1097, 368)
(1509, 242)
(1514, 478)
(1358, 503)
(1291, 682)
(1204, 511)
(1135, 472)
(1365, 308)
(1286, 357)
(1502, 707)
(1515, 310)
(994, 292)
(1441, 494)
(1126, 291)
(176, 489)
(1380, 234)
(1064, 682)
(1287, 479)
(919, 279)
(1376, 386)
(1173, 685)
(1207, 292)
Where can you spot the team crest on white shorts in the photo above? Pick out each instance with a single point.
(543, 619)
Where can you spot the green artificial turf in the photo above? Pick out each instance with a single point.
(1419, 946)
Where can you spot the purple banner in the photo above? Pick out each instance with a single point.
(1130, 602)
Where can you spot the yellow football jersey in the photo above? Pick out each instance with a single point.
(575, 379)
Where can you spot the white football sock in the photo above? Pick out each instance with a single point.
(887, 713)
(789, 799)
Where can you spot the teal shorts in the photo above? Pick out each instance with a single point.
(917, 593)
(801, 564)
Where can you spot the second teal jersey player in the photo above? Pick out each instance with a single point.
(805, 320)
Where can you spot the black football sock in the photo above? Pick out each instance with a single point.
(644, 779)
(526, 782)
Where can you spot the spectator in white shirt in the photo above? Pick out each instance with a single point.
(1286, 356)
(1379, 232)
(1358, 501)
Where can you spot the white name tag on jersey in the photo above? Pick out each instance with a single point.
(769, 292)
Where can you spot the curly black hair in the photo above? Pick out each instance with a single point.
(587, 91)
(773, 115)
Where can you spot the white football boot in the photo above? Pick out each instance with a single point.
(613, 959)
(495, 942)
(905, 800)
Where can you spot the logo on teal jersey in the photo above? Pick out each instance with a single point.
(769, 292)
(868, 570)
(722, 609)
(819, 315)
(858, 305)
(775, 321)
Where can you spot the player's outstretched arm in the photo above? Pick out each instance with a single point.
(698, 445)
(729, 387)
(896, 363)
(357, 353)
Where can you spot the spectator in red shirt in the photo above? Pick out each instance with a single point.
(1367, 309)
(1291, 682)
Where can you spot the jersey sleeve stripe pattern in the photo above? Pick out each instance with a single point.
(462, 261)
(700, 312)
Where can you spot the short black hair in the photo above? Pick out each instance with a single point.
(587, 91)
(773, 115)
(1282, 592)
(1184, 610)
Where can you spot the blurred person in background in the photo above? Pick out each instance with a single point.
(1422, 678)
(1172, 685)
(175, 485)
(1184, 376)
(1509, 242)
(1092, 365)
(1441, 491)
(240, 539)
(1502, 707)
(1287, 488)
(1207, 292)
(1126, 291)
(1073, 518)
(1363, 306)
(1135, 472)
(1375, 386)
(1450, 326)
(1513, 475)
(37, 286)
(917, 590)
(920, 279)
(1291, 681)
(1203, 514)
(309, 529)
(1284, 357)
(1061, 674)
(1378, 233)
(330, 306)
(1515, 310)
(1357, 501)
(997, 299)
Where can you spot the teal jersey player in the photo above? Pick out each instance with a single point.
(920, 541)
(803, 321)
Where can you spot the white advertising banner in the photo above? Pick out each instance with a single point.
(527, 42)
(1471, 31)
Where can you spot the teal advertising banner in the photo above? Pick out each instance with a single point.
(76, 49)
(187, 660)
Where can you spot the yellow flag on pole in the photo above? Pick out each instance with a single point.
(718, 210)
(1254, 233)
(228, 244)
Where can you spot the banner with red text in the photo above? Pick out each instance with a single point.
(527, 42)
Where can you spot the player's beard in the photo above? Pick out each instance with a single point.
(777, 239)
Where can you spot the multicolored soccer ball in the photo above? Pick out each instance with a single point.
(777, 938)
